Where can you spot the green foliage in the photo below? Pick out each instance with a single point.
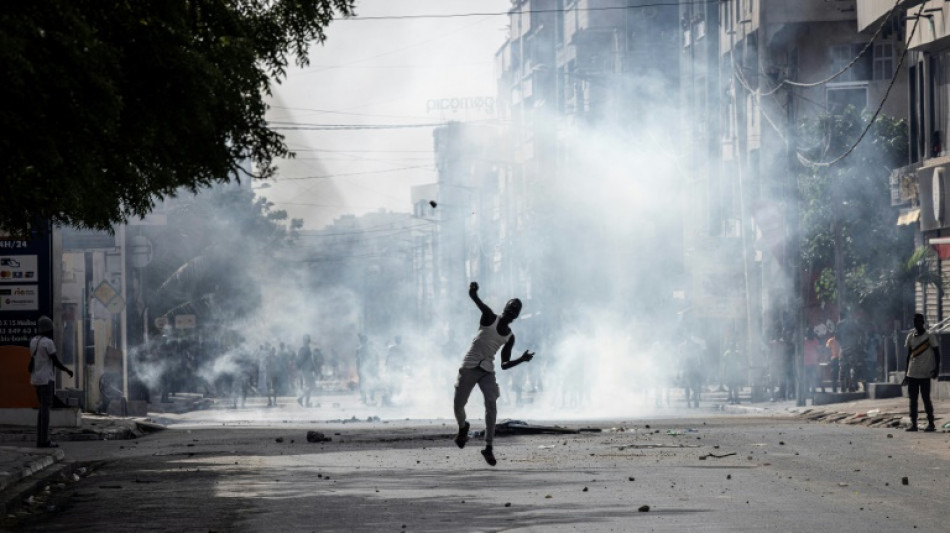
(854, 195)
(112, 105)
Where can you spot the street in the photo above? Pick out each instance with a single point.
(710, 472)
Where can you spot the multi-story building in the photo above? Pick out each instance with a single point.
(920, 188)
(585, 89)
(752, 71)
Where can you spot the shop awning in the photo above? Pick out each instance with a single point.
(941, 245)
(908, 216)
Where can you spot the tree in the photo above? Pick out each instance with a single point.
(110, 106)
(214, 255)
(847, 205)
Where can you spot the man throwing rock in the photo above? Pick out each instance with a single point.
(478, 367)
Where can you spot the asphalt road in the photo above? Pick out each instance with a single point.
(718, 473)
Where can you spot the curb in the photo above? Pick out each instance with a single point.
(31, 467)
(15, 497)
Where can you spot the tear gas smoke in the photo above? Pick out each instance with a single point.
(606, 241)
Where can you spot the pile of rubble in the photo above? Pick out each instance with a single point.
(874, 418)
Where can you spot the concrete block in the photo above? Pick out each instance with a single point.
(877, 391)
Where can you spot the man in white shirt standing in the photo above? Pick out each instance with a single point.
(923, 364)
(478, 367)
(43, 365)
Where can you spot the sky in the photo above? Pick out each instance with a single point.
(380, 71)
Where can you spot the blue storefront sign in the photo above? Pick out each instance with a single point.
(26, 286)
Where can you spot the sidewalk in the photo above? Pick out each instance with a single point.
(25, 469)
(880, 413)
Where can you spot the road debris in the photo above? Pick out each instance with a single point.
(716, 455)
(316, 436)
(520, 427)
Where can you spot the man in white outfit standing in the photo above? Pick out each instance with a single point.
(923, 364)
(43, 366)
(478, 367)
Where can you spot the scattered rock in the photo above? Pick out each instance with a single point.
(316, 436)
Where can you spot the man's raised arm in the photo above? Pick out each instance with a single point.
(487, 314)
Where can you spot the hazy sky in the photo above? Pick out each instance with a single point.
(380, 71)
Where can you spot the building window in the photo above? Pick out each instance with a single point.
(844, 54)
(883, 61)
(840, 97)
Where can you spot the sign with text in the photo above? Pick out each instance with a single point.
(19, 298)
(26, 286)
(17, 268)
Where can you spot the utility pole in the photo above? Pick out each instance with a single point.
(793, 260)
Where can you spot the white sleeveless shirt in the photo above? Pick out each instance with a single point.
(484, 346)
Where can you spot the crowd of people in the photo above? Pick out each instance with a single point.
(238, 370)
(232, 370)
(837, 357)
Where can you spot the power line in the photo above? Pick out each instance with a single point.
(358, 159)
(329, 176)
(336, 127)
(527, 11)
(336, 206)
(802, 158)
(844, 69)
(362, 151)
(304, 126)
(376, 229)
(816, 164)
(331, 112)
(419, 66)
